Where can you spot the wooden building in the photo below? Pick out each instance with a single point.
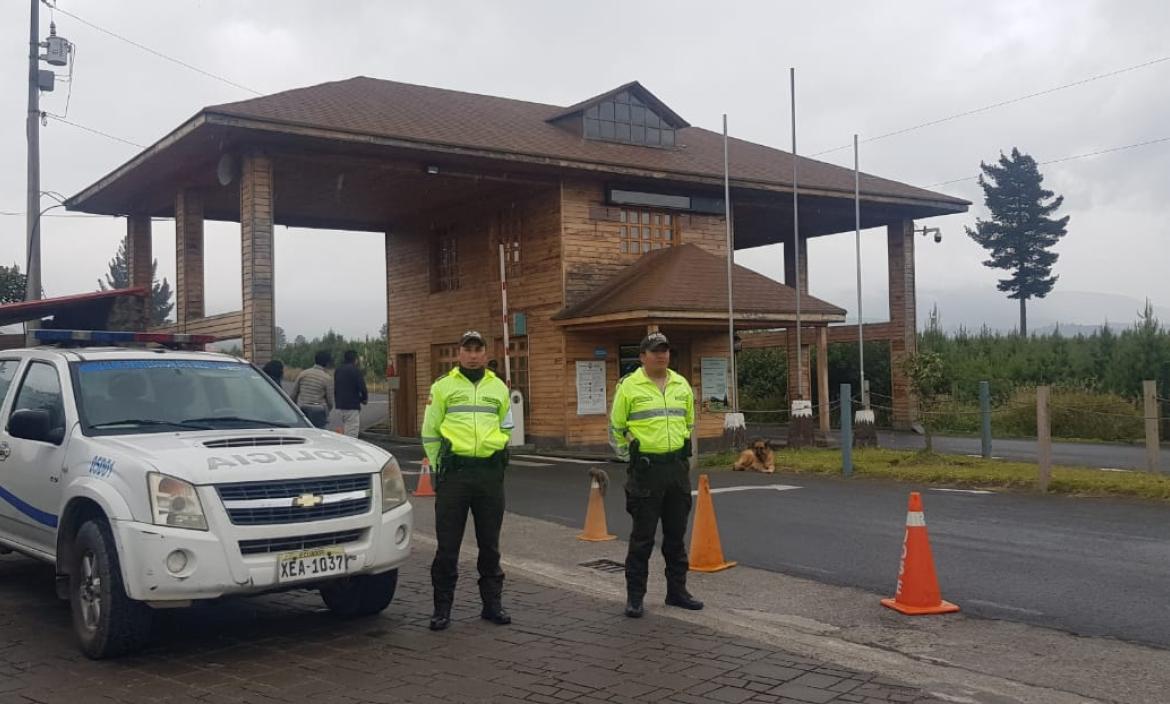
(610, 212)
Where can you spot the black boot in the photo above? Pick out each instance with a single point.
(681, 598)
(495, 612)
(634, 606)
(441, 618)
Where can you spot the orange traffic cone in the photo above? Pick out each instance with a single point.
(917, 591)
(706, 551)
(596, 530)
(424, 488)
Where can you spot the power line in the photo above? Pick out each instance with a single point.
(159, 54)
(1065, 158)
(1002, 103)
(107, 135)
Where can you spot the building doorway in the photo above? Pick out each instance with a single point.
(406, 398)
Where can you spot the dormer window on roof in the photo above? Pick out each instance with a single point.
(625, 118)
(629, 114)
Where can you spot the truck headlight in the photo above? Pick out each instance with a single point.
(175, 502)
(393, 487)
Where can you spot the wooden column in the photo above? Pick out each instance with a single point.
(796, 389)
(256, 213)
(790, 265)
(903, 303)
(140, 263)
(394, 384)
(189, 299)
(823, 376)
(799, 389)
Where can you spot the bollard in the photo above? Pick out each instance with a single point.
(1043, 437)
(985, 417)
(846, 430)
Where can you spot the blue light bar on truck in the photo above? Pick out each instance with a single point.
(116, 337)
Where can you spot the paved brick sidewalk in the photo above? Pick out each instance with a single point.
(285, 648)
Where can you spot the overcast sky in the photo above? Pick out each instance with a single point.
(864, 67)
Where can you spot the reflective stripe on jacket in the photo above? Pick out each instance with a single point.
(662, 421)
(475, 418)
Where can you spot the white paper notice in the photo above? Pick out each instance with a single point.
(714, 382)
(591, 388)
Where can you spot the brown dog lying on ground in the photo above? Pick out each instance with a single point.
(757, 458)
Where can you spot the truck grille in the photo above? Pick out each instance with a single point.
(300, 542)
(296, 501)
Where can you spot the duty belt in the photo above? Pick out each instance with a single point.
(663, 457)
(457, 462)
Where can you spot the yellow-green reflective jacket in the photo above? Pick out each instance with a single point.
(475, 418)
(661, 420)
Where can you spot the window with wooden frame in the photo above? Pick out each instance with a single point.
(444, 261)
(518, 362)
(510, 228)
(643, 229)
(444, 358)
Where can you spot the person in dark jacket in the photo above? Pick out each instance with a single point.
(275, 370)
(350, 394)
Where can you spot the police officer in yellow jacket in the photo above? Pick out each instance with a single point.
(651, 423)
(465, 434)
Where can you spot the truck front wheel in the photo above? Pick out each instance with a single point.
(107, 622)
(363, 595)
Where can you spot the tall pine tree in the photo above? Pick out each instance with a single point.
(118, 276)
(1020, 234)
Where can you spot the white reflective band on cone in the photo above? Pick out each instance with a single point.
(595, 485)
(915, 519)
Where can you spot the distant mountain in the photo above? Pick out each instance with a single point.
(973, 307)
(1073, 311)
(1072, 329)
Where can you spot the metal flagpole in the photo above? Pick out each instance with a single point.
(504, 314)
(857, 242)
(796, 237)
(734, 387)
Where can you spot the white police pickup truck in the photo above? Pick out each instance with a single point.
(155, 478)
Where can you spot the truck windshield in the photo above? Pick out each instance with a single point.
(118, 397)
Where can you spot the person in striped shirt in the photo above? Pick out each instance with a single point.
(314, 386)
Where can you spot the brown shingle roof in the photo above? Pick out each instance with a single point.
(437, 116)
(689, 279)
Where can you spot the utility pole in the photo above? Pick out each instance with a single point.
(33, 132)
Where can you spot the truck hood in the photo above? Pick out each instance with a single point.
(216, 457)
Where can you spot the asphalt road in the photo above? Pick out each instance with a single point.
(1088, 566)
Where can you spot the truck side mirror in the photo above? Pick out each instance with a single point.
(30, 424)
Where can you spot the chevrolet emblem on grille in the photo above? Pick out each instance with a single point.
(308, 501)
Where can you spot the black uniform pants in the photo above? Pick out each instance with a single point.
(478, 488)
(658, 491)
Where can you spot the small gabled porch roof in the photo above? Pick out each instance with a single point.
(687, 286)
